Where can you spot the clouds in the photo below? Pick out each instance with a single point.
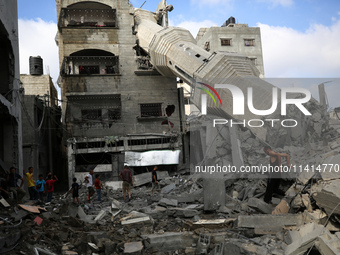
(194, 26)
(36, 38)
(274, 3)
(289, 53)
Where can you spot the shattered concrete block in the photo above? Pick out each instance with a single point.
(214, 192)
(182, 212)
(135, 218)
(237, 247)
(260, 205)
(270, 221)
(168, 202)
(168, 188)
(101, 215)
(133, 247)
(317, 216)
(329, 197)
(168, 241)
(328, 244)
(307, 236)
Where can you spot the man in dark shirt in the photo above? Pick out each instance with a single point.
(155, 184)
(274, 178)
(126, 177)
(18, 192)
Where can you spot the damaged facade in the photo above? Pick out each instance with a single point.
(10, 93)
(113, 100)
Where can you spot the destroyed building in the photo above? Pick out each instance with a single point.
(43, 147)
(234, 37)
(10, 93)
(113, 99)
(192, 214)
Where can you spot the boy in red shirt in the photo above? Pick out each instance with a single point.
(98, 186)
(50, 186)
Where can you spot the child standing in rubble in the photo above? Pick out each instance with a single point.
(75, 189)
(98, 185)
(50, 186)
(41, 187)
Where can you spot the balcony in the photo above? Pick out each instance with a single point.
(90, 65)
(87, 18)
(144, 67)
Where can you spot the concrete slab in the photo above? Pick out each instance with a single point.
(182, 212)
(114, 185)
(329, 197)
(270, 221)
(133, 247)
(168, 188)
(214, 192)
(168, 241)
(168, 202)
(307, 236)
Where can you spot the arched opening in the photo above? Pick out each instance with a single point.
(92, 52)
(88, 5)
(87, 14)
(91, 61)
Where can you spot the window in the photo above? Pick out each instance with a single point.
(93, 114)
(249, 42)
(151, 110)
(88, 69)
(110, 70)
(225, 42)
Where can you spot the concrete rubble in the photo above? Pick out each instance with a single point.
(184, 218)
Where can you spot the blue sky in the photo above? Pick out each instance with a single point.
(300, 38)
(289, 13)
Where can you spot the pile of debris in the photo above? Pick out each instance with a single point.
(178, 220)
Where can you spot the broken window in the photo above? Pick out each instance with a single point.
(225, 42)
(151, 110)
(249, 42)
(253, 60)
(91, 114)
(207, 46)
(88, 69)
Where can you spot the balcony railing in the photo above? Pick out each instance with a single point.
(90, 65)
(87, 18)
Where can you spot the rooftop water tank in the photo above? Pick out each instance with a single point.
(36, 66)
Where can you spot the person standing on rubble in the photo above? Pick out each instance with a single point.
(50, 186)
(155, 184)
(89, 185)
(41, 187)
(126, 177)
(31, 184)
(98, 185)
(274, 178)
(18, 192)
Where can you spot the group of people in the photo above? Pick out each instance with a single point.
(36, 189)
(125, 175)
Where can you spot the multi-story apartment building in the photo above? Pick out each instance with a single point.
(113, 100)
